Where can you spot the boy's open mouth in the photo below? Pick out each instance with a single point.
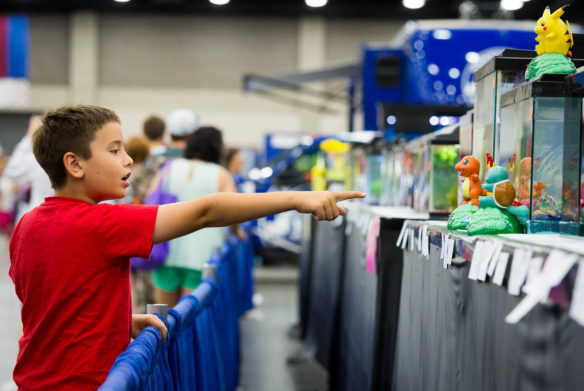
(126, 177)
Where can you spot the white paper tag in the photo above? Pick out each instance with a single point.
(485, 258)
(445, 244)
(405, 238)
(501, 268)
(401, 234)
(556, 266)
(577, 305)
(419, 241)
(495, 258)
(534, 268)
(519, 267)
(450, 251)
(521, 309)
(442, 245)
(475, 261)
(412, 239)
(425, 242)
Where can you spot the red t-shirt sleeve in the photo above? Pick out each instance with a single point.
(127, 229)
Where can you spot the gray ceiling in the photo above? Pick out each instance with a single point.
(434, 9)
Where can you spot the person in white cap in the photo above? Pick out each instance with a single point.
(180, 123)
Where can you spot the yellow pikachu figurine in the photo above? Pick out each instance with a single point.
(553, 35)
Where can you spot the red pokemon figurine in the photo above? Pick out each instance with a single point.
(469, 168)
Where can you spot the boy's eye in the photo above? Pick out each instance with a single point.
(115, 151)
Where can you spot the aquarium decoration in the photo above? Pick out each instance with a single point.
(555, 41)
(497, 213)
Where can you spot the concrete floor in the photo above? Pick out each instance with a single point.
(265, 345)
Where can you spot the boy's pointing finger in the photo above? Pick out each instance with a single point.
(347, 195)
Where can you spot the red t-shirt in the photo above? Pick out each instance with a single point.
(70, 265)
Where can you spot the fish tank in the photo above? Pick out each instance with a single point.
(390, 173)
(374, 172)
(464, 143)
(540, 144)
(498, 76)
(434, 182)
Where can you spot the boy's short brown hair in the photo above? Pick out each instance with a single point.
(68, 129)
(154, 127)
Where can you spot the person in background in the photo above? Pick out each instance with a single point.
(138, 149)
(154, 130)
(195, 175)
(180, 123)
(23, 169)
(234, 161)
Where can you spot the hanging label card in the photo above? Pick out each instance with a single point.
(501, 268)
(495, 258)
(521, 309)
(450, 250)
(577, 305)
(401, 234)
(475, 261)
(442, 246)
(534, 268)
(487, 253)
(419, 242)
(404, 241)
(519, 267)
(425, 242)
(556, 266)
(445, 244)
(412, 239)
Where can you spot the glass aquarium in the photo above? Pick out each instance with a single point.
(498, 76)
(390, 173)
(539, 143)
(444, 179)
(434, 182)
(465, 144)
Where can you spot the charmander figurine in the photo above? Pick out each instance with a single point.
(469, 167)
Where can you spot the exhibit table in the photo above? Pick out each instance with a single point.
(461, 333)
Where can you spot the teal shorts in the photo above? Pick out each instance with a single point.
(170, 278)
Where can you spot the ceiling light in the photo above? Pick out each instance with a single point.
(413, 4)
(219, 2)
(316, 3)
(511, 5)
(122, 1)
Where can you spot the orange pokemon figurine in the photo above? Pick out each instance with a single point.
(469, 168)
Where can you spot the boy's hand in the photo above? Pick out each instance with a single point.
(323, 204)
(141, 321)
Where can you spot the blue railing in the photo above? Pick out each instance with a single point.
(201, 351)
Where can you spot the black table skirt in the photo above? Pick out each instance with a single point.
(452, 335)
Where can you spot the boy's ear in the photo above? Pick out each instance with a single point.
(73, 165)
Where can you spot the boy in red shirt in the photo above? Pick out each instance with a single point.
(70, 257)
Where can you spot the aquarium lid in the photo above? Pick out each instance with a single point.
(546, 85)
(507, 60)
(448, 135)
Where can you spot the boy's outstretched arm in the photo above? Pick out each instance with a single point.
(223, 209)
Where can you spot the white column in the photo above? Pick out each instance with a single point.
(311, 56)
(83, 61)
(311, 43)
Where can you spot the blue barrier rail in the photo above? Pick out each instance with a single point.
(201, 351)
